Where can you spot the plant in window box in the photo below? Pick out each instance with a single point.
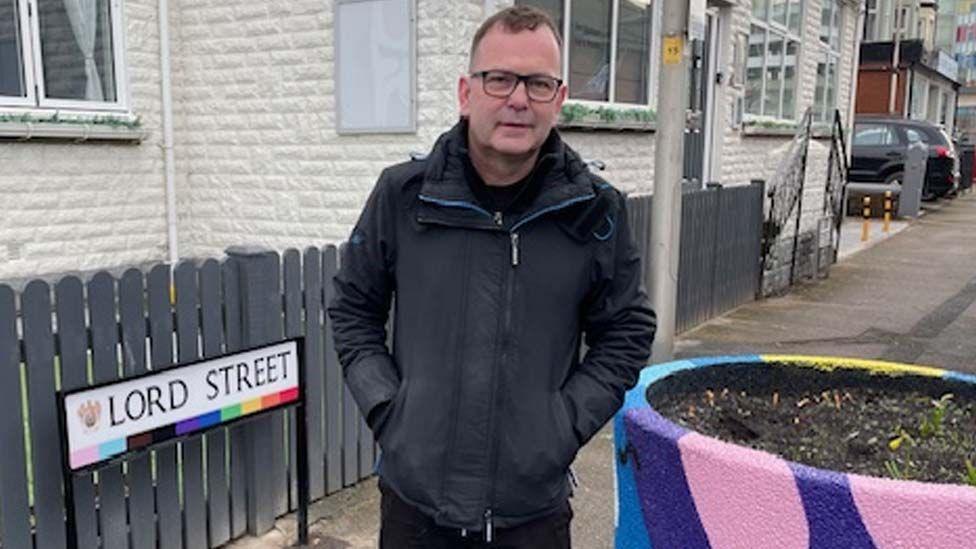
(767, 123)
(56, 118)
(582, 115)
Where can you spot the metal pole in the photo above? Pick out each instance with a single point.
(668, 153)
(808, 119)
(893, 84)
(301, 448)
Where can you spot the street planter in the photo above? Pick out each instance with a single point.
(681, 487)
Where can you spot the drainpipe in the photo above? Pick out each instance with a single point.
(855, 74)
(167, 119)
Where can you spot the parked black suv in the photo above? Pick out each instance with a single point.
(880, 146)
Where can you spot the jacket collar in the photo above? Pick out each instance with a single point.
(562, 176)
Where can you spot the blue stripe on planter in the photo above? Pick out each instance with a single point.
(831, 512)
(630, 532)
(727, 359)
(959, 376)
(670, 516)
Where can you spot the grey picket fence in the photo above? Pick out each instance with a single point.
(719, 254)
(207, 489)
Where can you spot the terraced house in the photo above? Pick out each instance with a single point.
(141, 131)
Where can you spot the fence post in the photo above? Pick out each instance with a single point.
(257, 268)
(717, 217)
(764, 244)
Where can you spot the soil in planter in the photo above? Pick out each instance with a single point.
(847, 420)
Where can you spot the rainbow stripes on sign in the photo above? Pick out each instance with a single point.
(106, 450)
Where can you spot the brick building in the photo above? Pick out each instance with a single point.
(268, 148)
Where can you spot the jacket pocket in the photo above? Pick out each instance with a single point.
(536, 447)
(567, 436)
(391, 415)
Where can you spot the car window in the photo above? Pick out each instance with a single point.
(874, 134)
(914, 136)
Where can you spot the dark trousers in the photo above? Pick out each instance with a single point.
(402, 526)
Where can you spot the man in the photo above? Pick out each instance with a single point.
(502, 250)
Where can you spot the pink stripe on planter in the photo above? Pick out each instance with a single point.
(915, 514)
(745, 498)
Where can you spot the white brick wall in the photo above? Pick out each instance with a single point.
(258, 160)
(76, 206)
(258, 145)
(629, 157)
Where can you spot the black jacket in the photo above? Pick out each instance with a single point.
(486, 399)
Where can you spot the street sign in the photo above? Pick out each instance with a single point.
(105, 421)
(108, 422)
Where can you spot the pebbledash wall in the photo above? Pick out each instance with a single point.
(257, 156)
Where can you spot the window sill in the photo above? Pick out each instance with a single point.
(52, 131)
(607, 126)
(765, 131)
(818, 130)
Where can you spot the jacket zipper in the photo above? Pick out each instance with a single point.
(506, 344)
(515, 249)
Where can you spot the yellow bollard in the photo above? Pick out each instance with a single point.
(887, 212)
(866, 224)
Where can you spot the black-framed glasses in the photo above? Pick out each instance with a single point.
(501, 84)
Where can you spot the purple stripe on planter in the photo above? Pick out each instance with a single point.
(669, 510)
(831, 513)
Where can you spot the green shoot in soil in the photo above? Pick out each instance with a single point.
(970, 476)
(894, 471)
(932, 424)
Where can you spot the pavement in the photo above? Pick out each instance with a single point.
(906, 296)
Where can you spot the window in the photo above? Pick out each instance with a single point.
(607, 49)
(874, 134)
(870, 20)
(934, 97)
(63, 54)
(771, 62)
(915, 136)
(946, 104)
(919, 97)
(825, 93)
(375, 67)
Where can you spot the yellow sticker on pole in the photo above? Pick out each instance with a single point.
(671, 49)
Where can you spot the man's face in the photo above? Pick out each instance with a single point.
(515, 126)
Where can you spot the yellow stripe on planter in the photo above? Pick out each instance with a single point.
(877, 366)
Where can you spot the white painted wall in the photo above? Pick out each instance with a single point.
(258, 160)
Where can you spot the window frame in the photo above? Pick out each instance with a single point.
(26, 62)
(830, 56)
(783, 32)
(652, 65)
(35, 100)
